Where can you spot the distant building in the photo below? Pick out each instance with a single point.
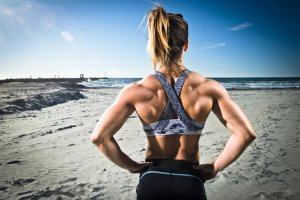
(81, 76)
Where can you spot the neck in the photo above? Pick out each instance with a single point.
(172, 70)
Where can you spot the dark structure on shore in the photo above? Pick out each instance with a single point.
(57, 80)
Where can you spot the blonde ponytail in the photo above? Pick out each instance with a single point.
(167, 34)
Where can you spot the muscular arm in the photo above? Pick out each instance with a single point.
(110, 122)
(236, 121)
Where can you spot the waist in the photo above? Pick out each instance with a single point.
(171, 165)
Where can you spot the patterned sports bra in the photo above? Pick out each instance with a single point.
(167, 125)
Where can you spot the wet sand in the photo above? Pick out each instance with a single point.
(46, 153)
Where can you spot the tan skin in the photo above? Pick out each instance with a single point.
(199, 96)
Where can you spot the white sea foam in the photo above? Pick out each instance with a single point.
(229, 83)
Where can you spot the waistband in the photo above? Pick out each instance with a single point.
(172, 166)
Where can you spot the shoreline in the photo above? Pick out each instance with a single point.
(230, 83)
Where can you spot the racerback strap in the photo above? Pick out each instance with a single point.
(173, 95)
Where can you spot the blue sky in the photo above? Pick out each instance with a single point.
(65, 38)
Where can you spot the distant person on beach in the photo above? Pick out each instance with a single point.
(173, 105)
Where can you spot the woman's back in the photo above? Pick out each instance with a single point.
(173, 131)
(150, 102)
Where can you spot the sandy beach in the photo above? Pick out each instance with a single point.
(46, 153)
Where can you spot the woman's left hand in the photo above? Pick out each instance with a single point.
(207, 171)
(139, 166)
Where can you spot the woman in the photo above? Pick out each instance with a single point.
(173, 105)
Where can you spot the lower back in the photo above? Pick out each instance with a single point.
(179, 147)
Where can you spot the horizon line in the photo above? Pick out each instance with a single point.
(142, 77)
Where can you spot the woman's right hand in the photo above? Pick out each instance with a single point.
(207, 171)
(139, 166)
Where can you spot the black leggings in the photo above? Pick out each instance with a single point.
(170, 179)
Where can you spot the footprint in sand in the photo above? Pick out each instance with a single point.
(20, 182)
(26, 192)
(133, 117)
(15, 162)
(260, 195)
(97, 196)
(71, 179)
(97, 189)
(59, 192)
(3, 188)
(66, 127)
(208, 132)
(46, 133)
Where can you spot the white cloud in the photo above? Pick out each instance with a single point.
(6, 11)
(241, 26)
(47, 20)
(67, 36)
(25, 15)
(208, 45)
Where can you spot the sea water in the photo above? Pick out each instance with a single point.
(229, 83)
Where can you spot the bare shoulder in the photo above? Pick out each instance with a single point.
(208, 86)
(138, 91)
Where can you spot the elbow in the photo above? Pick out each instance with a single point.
(251, 136)
(95, 139)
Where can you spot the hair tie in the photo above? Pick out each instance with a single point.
(179, 15)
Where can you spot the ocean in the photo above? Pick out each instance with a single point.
(229, 83)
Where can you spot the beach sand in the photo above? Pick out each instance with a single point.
(47, 154)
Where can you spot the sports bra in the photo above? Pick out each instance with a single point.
(167, 125)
